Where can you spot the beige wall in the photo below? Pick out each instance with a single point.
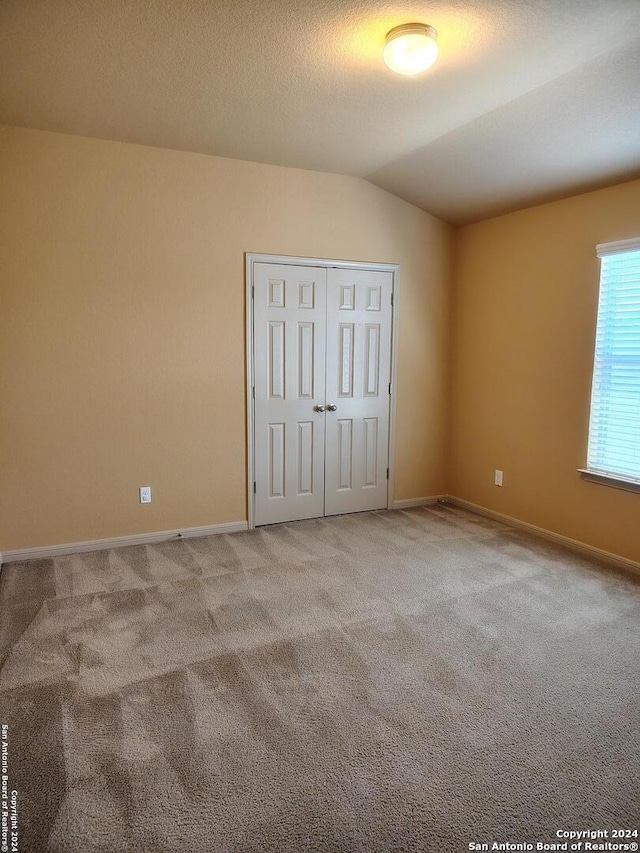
(122, 336)
(122, 339)
(525, 307)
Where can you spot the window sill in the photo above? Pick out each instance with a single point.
(609, 480)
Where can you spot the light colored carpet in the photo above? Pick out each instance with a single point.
(391, 681)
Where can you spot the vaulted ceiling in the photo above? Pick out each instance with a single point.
(528, 101)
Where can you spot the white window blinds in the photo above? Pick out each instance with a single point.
(614, 428)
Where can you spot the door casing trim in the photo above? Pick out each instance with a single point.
(252, 258)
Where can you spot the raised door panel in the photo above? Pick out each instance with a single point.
(275, 359)
(370, 453)
(305, 458)
(275, 461)
(305, 361)
(346, 335)
(371, 367)
(345, 453)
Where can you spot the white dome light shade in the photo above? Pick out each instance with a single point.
(411, 48)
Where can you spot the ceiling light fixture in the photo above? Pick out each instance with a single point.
(411, 48)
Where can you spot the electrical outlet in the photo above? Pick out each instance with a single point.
(145, 494)
(498, 478)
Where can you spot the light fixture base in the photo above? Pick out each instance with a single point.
(412, 29)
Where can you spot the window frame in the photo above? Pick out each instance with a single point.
(611, 479)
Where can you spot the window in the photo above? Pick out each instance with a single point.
(614, 427)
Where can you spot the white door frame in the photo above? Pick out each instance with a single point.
(252, 258)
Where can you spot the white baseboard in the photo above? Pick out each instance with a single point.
(407, 504)
(237, 526)
(120, 542)
(572, 544)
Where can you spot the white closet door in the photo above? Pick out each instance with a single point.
(289, 373)
(358, 363)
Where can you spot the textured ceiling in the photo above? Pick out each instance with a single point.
(528, 101)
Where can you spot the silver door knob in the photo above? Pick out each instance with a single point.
(332, 408)
(319, 408)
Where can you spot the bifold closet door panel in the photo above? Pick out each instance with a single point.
(289, 374)
(358, 366)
